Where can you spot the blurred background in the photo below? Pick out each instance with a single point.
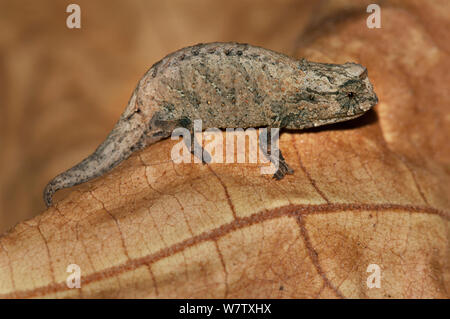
(62, 90)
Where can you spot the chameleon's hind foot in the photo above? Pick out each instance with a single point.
(282, 167)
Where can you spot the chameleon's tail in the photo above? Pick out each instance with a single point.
(125, 138)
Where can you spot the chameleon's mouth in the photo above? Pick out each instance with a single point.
(109, 154)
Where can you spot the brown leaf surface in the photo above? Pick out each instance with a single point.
(373, 191)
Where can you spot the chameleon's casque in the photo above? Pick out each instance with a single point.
(226, 85)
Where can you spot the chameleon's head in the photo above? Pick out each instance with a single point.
(338, 91)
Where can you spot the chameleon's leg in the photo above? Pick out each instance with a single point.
(265, 145)
(196, 148)
(283, 169)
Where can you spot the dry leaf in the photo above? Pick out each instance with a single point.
(373, 191)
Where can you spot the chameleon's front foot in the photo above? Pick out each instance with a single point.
(196, 149)
(283, 169)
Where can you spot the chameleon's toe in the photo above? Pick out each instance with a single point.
(206, 158)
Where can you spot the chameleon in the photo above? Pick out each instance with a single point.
(226, 85)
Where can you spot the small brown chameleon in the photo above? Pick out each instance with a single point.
(226, 85)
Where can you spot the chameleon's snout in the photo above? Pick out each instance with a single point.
(366, 97)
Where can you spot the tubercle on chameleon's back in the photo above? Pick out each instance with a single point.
(146, 120)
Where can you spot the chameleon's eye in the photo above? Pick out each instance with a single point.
(350, 94)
